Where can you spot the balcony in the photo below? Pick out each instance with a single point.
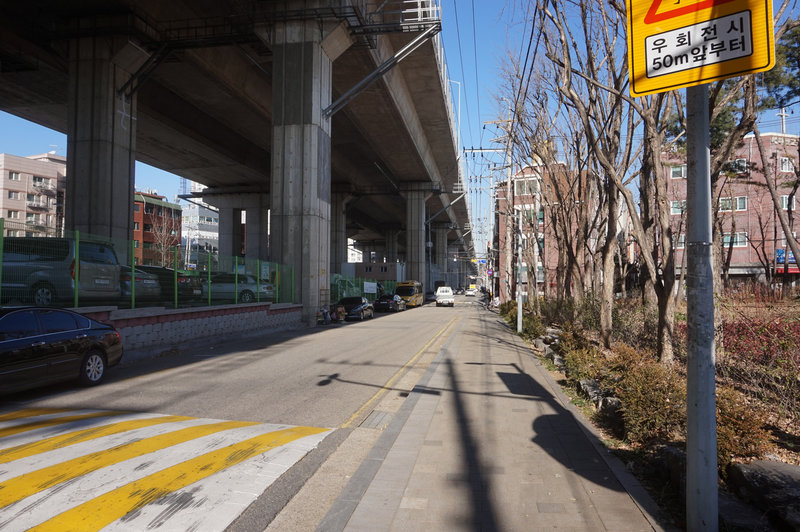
(33, 204)
(46, 189)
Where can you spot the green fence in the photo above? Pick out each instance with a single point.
(342, 286)
(38, 266)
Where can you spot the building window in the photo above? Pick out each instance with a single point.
(785, 202)
(148, 228)
(14, 176)
(12, 194)
(384, 269)
(148, 209)
(678, 172)
(13, 215)
(741, 203)
(37, 180)
(784, 243)
(725, 204)
(147, 245)
(739, 240)
(786, 164)
(135, 226)
(136, 243)
(368, 269)
(524, 187)
(678, 207)
(680, 241)
(740, 165)
(135, 207)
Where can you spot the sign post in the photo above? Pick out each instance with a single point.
(688, 43)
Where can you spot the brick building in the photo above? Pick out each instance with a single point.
(156, 229)
(753, 240)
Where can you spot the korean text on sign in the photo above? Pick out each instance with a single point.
(705, 43)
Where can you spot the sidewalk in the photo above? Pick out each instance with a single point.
(487, 441)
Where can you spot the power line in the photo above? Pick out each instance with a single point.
(461, 62)
(475, 56)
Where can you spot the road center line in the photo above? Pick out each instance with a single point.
(386, 387)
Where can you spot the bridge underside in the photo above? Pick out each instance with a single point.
(226, 93)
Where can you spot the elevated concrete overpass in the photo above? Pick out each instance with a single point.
(251, 98)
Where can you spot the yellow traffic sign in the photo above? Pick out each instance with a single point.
(680, 43)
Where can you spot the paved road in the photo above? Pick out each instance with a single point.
(430, 419)
(189, 441)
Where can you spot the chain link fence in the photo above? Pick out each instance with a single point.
(42, 267)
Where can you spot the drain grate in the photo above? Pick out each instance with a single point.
(376, 420)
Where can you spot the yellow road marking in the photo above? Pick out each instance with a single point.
(30, 412)
(10, 431)
(103, 510)
(18, 488)
(71, 438)
(386, 387)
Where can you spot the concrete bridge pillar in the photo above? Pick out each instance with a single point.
(232, 236)
(300, 185)
(101, 139)
(230, 233)
(339, 201)
(391, 244)
(415, 233)
(441, 231)
(256, 237)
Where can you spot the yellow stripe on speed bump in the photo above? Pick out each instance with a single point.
(78, 436)
(30, 412)
(33, 425)
(103, 510)
(18, 488)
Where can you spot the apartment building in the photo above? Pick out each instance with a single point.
(156, 229)
(200, 230)
(754, 244)
(32, 194)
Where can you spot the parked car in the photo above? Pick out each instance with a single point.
(356, 308)
(41, 345)
(42, 270)
(469, 292)
(241, 288)
(389, 303)
(189, 286)
(444, 296)
(146, 284)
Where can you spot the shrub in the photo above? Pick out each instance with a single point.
(740, 428)
(588, 313)
(584, 363)
(626, 358)
(570, 339)
(507, 307)
(532, 326)
(635, 324)
(653, 399)
(559, 311)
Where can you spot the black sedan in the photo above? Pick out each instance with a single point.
(389, 303)
(40, 346)
(356, 308)
(189, 286)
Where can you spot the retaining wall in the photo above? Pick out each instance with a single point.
(169, 328)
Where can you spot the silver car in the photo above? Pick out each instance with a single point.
(240, 288)
(43, 270)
